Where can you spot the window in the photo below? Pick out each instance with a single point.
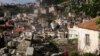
(76, 36)
(87, 39)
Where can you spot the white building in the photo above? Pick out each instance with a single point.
(29, 51)
(73, 32)
(36, 11)
(53, 25)
(43, 11)
(60, 34)
(52, 34)
(59, 21)
(88, 37)
(27, 35)
(51, 9)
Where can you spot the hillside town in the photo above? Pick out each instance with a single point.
(48, 32)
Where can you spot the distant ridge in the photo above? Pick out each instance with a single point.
(16, 1)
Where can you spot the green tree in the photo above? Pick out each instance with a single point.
(98, 21)
(49, 17)
(91, 8)
(88, 54)
(51, 2)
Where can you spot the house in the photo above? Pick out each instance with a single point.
(88, 36)
(38, 27)
(20, 22)
(51, 33)
(29, 51)
(72, 32)
(18, 30)
(7, 13)
(53, 25)
(60, 34)
(36, 11)
(28, 35)
(59, 21)
(51, 9)
(43, 11)
(37, 4)
(19, 15)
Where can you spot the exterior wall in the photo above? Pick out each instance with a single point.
(59, 21)
(29, 51)
(36, 11)
(28, 35)
(53, 25)
(43, 11)
(94, 41)
(73, 32)
(51, 34)
(51, 9)
(61, 35)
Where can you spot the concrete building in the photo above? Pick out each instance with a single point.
(73, 33)
(29, 51)
(89, 37)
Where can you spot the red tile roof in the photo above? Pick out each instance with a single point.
(91, 24)
(4, 25)
(18, 30)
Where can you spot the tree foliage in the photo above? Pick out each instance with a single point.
(89, 7)
(51, 2)
(98, 21)
(49, 17)
(92, 9)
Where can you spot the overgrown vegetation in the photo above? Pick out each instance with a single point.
(88, 54)
(90, 8)
(49, 17)
(46, 3)
(98, 21)
(75, 53)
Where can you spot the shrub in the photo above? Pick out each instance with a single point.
(98, 21)
(73, 53)
(88, 54)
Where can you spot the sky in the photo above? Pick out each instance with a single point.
(17, 1)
